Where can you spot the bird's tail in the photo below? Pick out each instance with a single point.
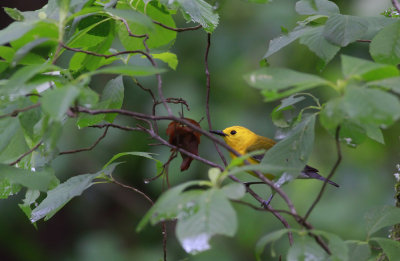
(310, 172)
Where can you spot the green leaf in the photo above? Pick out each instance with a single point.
(358, 250)
(291, 153)
(132, 153)
(390, 83)
(131, 16)
(278, 43)
(167, 57)
(214, 174)
(390, 247)
(158, 38)
(8, 128)
(305, 248)
(367, 70)
(63, 193)
(312, 7)
(14, 13)
(382, 217)
(15, 148)
(234, 190)
(212, 214)
(23, 51)
(7, 189)
(113, 94)
(385, 46)
(344, 29)
(289, 101)
(266, 239)
(36, 180)
(7, 53)
(41, 30)
(128, 70)
(14, 31)
(276, 83)
(318, 44)
(199, 11)
(337, 246)
(56, 102)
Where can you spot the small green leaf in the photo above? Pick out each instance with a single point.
(337, 246)
(131, 16)
(63, 193)
(7, 189)
(344, 29)
(167, 57)
(113, 94)
(133, 153)
(367, 70)
(382, 217)
(358, 250)
(313, 7)
(56, 102)
(7, 53)
(23, 51)
(276, 83)
(14, 13)
(289, 101)
(304, 248)
(234, 190)
(213, 175)
(390, 247)
(36, 180)
(390, 83)
(266, 239)
(385, 46)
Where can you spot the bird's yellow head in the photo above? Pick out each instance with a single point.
(237, 137)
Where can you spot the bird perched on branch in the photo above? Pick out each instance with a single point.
(245, 141)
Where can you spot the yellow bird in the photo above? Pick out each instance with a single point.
(245, 141)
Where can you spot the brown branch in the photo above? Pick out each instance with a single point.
(101, 126)
(88, 148)
(396, 5)
(133, 189)
(15, 113)
(321, 192)
(25, 154)
(178, 29)
(208, 87)
(364, 41)
(129, 30)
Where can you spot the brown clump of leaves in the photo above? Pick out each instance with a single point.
(186, 138)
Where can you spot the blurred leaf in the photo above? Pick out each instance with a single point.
(259, 1)
(8, 128)
(344, 29)
(305, 248)
(367, 70)
(276, 83)
(167, 57)
(385, 46)
(7, 189)
(132, 153)
(56, 102)
(289, 101)
(214, 174)
(318, 44)
(234, 190)
(382, 217)
(358, 250)
(351, 133)
(14, 31)
(15, 148)
(131, 16)
(63, 193)
(337, 245)
(14, 13)
(375, 25)
(36, 180)
(390, 247)
(312, 7)
(23, 51)
(7, 53)
(374, 133)
(128, 70)
(392, 83)
(41, 30)
(266, 239)
(291, 153)
(113, 93)
(278, 43)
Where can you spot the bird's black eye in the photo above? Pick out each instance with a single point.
(233, 132)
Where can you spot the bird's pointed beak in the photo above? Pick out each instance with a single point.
(218, 132)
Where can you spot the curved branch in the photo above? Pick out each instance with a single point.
(178, 29)
(25, 154)
(15, 113)
(396, 5)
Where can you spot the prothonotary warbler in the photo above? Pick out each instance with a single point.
(245, 141)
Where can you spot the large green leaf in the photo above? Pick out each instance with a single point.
(211, 214)
(367, 70)
(276, 83)
(278, 43)
(8, 128)
(132, 16)
(63, 193)
(358, 250)
(318, 44)
(36, 180)
(392, 83)
(312, 7)
(56, 102)
(385, 46)
(14, 31)
(305, 248)
(382, 217)
(390, 247)
(113, 93)
(344, 29)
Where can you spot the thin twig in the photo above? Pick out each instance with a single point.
(133, 189)
(339, 159)
(178, 29)
(208, 86)
(15, 113)
(101, 126)
(129, 30)
(88, 148)
(364, 41)
(396, 5)
(25, 154)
